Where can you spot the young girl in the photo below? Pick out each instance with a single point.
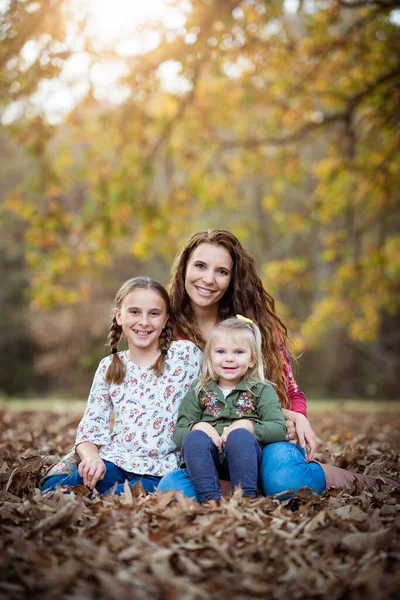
(144, 386)
(230, 413)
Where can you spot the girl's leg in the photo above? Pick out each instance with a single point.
(202, 459)
(243, 455)
(113, 475)
(284, 467)
(67, 465)
(149, 483)
(50, 483)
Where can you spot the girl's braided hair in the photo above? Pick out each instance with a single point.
(245, 295)
(116, 369)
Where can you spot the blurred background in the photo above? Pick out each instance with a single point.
(126, 125)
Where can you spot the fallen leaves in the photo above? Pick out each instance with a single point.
(67, 546)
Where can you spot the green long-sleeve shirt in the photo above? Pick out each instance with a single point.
(260, 405)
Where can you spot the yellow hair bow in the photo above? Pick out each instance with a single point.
(245, 319)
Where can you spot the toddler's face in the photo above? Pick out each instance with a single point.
(231, 357)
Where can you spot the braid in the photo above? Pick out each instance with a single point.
(166, 338)
(116, 369)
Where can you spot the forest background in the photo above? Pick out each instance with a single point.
(119, 138)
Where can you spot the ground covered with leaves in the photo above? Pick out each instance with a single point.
(338, 545)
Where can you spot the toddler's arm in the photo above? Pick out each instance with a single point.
(190, 412)
(272, 427)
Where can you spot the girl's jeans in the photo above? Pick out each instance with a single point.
(283, 467)
(112, 476)
(241, 463)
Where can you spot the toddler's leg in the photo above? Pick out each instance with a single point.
(201, 458)
(243, 454)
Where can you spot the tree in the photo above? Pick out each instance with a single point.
(288, 127)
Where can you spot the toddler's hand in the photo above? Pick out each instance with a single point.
(211, 432)
(91, 470)
(241, 424)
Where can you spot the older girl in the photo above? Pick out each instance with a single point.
(143, 386)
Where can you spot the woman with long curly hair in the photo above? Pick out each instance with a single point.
(214, 278)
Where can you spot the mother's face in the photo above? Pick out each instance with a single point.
(208, 274)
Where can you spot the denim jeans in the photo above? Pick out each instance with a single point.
(112, 476)
(283, 467)
(240, 464)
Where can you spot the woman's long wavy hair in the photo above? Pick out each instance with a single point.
(116, 370)
(245, 295)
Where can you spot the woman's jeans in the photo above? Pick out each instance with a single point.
(114, 475)
(240, 464)
(283, 467)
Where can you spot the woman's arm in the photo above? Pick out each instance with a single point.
(305, 434)
(298, 402)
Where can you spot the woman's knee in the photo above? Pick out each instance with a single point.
(179, 481)
(284, 467)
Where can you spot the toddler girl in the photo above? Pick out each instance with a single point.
(230, 413)
(143, 386)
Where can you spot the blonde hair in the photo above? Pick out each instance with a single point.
(116, 370)
(252, 333)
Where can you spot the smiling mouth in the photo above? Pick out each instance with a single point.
(142, 333)
(204, 291)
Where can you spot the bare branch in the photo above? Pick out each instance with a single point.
(308, 128)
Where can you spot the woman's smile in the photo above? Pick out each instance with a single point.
(208, 274)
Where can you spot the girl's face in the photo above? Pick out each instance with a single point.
(142, 316)
(231, 356)
(208, 274)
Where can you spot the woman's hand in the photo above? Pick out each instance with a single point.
(92, 470)
(211, 432)
(305, 435)
(291, 435)
(241, 424)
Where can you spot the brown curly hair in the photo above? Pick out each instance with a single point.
(245, 295)
(116, 369)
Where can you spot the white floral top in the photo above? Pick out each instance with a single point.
(146, 409)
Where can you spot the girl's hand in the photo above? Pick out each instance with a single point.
(211, 432)
(306, 435)
(291, 435)
(92, 470)
(241, 424)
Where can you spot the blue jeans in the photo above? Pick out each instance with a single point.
(283, 467)
(112, 476)
(240, 465)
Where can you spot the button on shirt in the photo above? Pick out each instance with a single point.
(146, 408)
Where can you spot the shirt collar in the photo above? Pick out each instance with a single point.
(254, 386)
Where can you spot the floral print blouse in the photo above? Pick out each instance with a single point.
(146, 409)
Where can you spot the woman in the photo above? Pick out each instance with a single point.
(214, 278)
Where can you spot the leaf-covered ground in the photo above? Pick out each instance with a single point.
(339, 545)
